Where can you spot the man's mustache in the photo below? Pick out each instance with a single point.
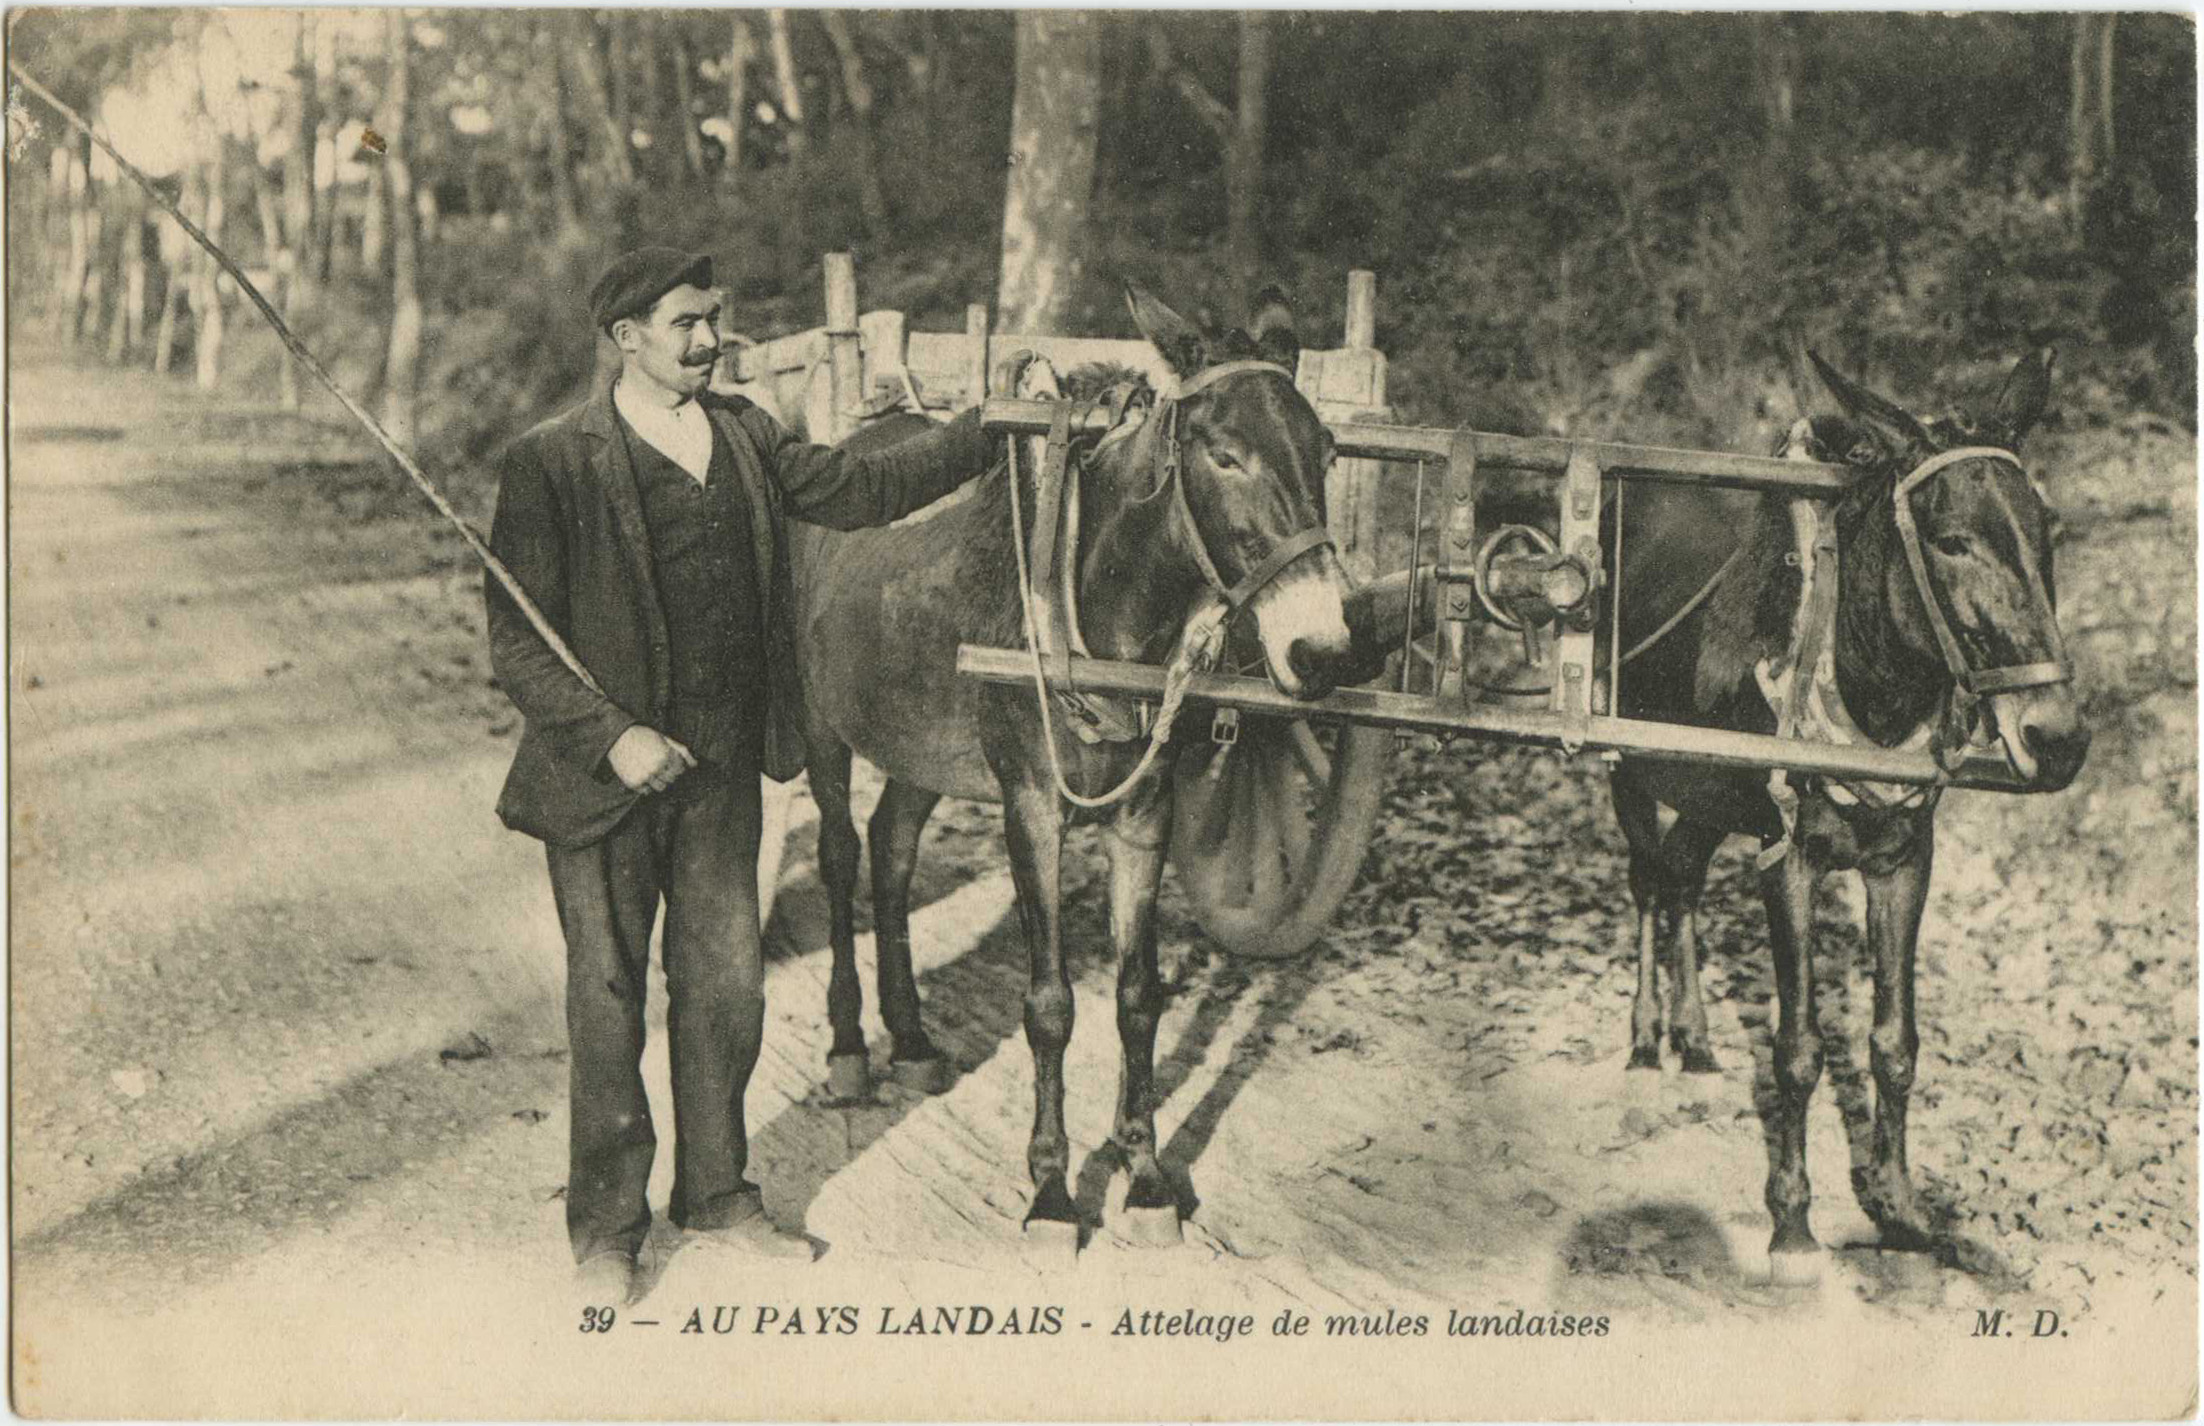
(701, 358)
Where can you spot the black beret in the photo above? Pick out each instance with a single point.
(638, 278)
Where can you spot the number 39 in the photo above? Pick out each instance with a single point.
(598, 1319)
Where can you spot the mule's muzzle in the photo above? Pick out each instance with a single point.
(2058, 753)
(2043, 736)
(1316, 667)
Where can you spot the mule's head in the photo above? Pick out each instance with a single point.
(1252, 458)
(1985, 536)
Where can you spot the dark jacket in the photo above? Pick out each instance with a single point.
(570, 527)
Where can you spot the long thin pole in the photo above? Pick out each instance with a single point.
(306, 359)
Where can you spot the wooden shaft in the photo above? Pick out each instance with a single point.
(1381, 708)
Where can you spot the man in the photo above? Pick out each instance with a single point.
(647, 525)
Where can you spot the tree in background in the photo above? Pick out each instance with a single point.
(2089, 150)
(1051, 184)
(857, 90)
(1607, 223)
(297, 267)
(1238, 129)
(742, 47)
(402, 366)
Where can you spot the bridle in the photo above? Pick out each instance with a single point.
(1973, 684)
(1803, 689)
(1202, 641)
(1170, 479)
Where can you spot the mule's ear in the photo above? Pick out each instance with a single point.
(1892, 425)
(1179, 342)
(2027, 389)
(1275, 339)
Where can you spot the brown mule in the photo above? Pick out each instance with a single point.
(1943, 624)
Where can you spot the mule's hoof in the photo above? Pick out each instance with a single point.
(1700, 1060)
(849, 1079)
(1645, 1057)
(1796, 1268)
(1051, 1242)
(931, 1075)
(1156, 1227)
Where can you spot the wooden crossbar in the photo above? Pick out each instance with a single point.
(1537, 455)
(1424, 713)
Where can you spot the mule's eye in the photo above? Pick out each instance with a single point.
(1951, 545)
(1225, 459)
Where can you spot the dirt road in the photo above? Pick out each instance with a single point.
(288, 1067)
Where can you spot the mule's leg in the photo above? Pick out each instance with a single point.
(1640, 817)
(1033, 827)
(1895, 899)
(1788, 889)
(1137, 839)
(849, 1073)
(1686, 853)
(896, 826)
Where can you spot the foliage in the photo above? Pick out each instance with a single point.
(1606, 223)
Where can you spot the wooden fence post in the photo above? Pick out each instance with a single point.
(975, 331)
(845, 354)
(883, 344)
(1349, 385)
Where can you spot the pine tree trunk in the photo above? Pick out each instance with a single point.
(206, 294)
(324, 244)
(128, 327)
(1051, 185)
(742, 48)
(555, 75)
(401, 367)
(684, 101)
(793, 229)
(2089, 114)
(298, 198)
(77, 191)
(179, 262)
(375, 219)
(588, 76)
(612, 37)
(872, 199)
(95, 267)
(791, 87)
(1244, 176)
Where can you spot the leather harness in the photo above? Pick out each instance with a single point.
(1802, 686)
(1054, 540)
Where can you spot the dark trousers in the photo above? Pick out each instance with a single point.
(694, 847)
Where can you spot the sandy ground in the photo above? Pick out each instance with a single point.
(259, 894)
